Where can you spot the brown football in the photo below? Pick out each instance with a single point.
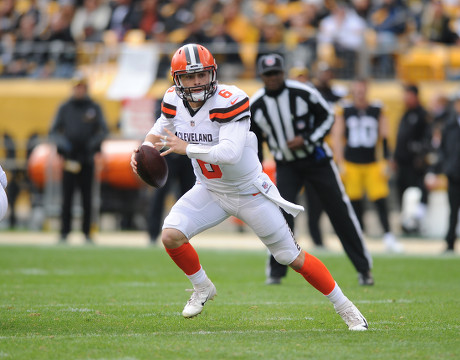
(151, 166)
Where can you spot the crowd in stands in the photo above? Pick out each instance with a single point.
(45, 38)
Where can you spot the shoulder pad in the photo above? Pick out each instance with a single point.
(169, 103)
(170, 95)
(231, 103)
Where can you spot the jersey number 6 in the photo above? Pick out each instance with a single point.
(224, 93)
(210, 171)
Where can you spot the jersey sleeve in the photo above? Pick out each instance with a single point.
(323, 114)
(232, 104)
(232, 139)
(168, 113)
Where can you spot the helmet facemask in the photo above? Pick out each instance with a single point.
(190, 93)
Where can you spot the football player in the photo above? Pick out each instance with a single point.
(3, 198)
(209, 123)
(365, 128)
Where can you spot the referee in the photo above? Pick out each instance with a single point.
(293, 118)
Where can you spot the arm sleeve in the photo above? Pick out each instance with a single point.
(324, 117)
(57, 123)
(260, 140)
(103, 128)
(386, 149)
(95, 142)
(55, 134)
(160, 125)
(232, 138)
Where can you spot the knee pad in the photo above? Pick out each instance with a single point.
(179, 222)
(282, 245)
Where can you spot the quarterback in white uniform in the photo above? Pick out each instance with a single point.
(224, 116)
(210, 123)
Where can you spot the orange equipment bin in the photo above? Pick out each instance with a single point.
(269, 167)
(44, 158)
(113, 163)
(115, 160)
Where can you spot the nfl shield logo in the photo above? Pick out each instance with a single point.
(265, 185)
(270, 60)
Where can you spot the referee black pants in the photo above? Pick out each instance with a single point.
(323, 178)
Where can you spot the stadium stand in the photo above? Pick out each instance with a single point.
(39, 53)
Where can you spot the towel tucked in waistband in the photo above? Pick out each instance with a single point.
(268, 189)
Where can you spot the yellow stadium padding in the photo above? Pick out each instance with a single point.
(427, 62)
(28, 106)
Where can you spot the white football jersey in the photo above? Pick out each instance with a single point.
(228, 104)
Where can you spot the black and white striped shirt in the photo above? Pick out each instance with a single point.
(297, 109)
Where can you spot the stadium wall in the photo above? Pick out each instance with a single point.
(28, 107)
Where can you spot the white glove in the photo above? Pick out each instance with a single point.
(3, 179)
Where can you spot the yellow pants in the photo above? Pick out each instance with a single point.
(370, 179)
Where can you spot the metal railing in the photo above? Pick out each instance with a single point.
(235, 60)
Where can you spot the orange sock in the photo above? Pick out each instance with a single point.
(317, 274)
(186, 258)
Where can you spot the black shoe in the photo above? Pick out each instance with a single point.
(365, 278)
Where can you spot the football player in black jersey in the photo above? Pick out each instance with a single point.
(364, 127)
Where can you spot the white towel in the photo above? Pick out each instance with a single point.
(267, 188)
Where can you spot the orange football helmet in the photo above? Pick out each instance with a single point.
(194, 58)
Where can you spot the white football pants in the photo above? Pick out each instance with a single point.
(200, 209)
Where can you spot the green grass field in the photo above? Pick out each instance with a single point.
(79, 302)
